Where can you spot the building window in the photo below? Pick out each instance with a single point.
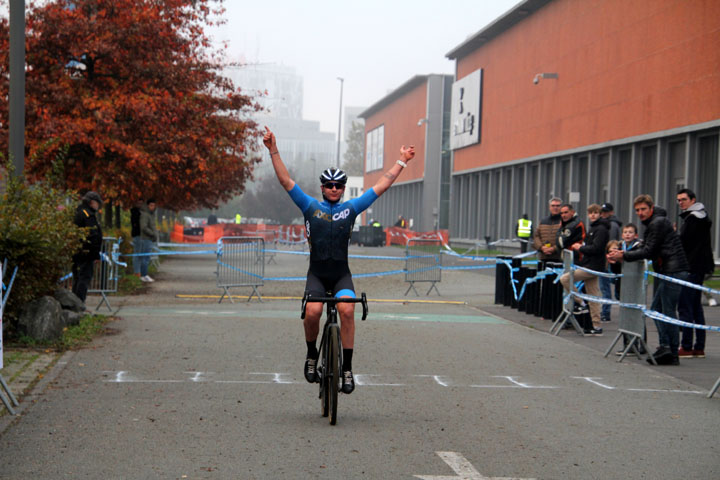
(374, 148)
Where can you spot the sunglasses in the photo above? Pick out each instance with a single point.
(331, 185)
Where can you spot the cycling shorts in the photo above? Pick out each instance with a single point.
(341, 285)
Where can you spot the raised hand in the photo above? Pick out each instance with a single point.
(407, 153)
(269, 140)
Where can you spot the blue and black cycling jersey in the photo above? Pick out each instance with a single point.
(329, 227)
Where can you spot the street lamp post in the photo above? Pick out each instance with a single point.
(342, 80)
(17, 85)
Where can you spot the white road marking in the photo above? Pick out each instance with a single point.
(198, 376)
(364, 379)
(372, 380)
(523, 385)
(123, 377)
(515, 384)
(463, 468)
(439, 379)
(595, 382)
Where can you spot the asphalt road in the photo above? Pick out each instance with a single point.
(189, 388)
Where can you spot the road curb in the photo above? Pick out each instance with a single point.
(36, 392)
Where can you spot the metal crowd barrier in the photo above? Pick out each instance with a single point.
(291, 239)
(423, 262)
(10, 399)
(270, 237)
(105, 272)
(240, 263)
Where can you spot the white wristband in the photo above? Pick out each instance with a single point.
(401, 163)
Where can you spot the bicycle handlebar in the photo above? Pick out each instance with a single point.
(335, 300)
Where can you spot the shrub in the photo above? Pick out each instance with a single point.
(37, 234)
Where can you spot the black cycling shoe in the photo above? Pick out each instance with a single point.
(311, 370)
(348, 382)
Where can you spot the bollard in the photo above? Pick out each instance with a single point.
(525, 302)
(507, 288)
(531, 293)
(500, 280)
(547, 294)
(517, 275)
(556, 296)
(537, 302)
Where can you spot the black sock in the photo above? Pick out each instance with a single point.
(347, 359)
(311, 349)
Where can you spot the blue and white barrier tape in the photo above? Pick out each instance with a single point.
(168, 252)
(7, 289)
(289, 252)
(378, 274)
(185, 245)
(598, 274)
(684, 283)
(245, 272)
(647, 312)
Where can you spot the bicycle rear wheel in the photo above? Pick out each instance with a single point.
(333, 371)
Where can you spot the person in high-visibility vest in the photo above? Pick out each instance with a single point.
(238, 218)
(524, 232)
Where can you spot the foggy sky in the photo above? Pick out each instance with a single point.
(375, 45)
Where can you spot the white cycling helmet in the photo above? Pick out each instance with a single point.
(333, 174)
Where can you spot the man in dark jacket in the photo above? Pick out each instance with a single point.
(545, 235)
(662, 245)
(592, 257)
(84, 259)
(695, 238)
(572, 230)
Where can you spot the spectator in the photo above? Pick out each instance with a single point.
(148, 232)
(695, 238)
(524, 232)
(662, 245)
(401, 222)
(136, 239)
(607, 211)
(212, 219)
(84, 259)
(571, 231)
(591, 256)
(629, 241)
(545, 235)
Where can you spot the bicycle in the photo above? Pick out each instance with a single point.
(329, 367)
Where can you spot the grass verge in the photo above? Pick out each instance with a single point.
(76, 336)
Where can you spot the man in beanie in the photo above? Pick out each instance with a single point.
(84, 259)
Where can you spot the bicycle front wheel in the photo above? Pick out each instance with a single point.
(324, 384)
(334, 373)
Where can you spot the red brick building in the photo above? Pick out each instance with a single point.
(592, 101)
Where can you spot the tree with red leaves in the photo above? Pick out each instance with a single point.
(126, 97)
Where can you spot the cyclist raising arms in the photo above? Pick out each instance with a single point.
(328, 225)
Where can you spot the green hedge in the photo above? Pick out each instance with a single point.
(37, 234)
